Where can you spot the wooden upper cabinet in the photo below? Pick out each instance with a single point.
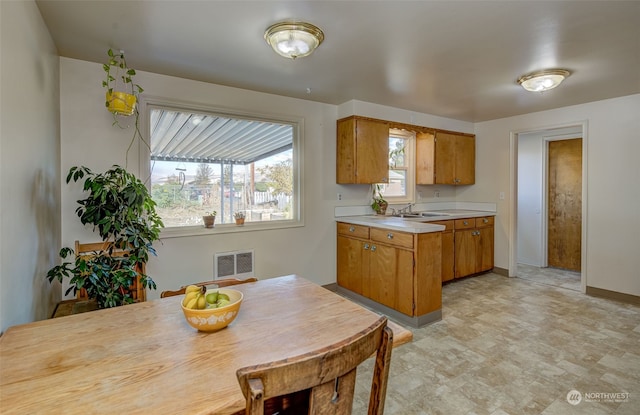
(362, 151)
(445, 158)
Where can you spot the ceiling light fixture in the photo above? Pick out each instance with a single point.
(545, 80)
(293, 39)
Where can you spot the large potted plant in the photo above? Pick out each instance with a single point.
(120, 207)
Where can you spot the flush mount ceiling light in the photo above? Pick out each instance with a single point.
(543, 80)
(293, 39)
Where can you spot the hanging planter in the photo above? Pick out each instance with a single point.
(121, 103)
(121, 95)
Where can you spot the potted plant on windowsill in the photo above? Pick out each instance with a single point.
(209, 219)
(378, 204)
(120, 207)
(239, 217)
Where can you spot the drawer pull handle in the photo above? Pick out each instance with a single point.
(366, 246)
(465, 223)
(352, 229)
(373, 248)
(485, 220)
(389, 235)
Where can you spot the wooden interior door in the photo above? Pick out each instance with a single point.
(564, 204)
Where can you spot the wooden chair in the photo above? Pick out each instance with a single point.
(326, 378)
(138, 292)
(219, 283)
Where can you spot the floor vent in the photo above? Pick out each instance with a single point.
(237, 264)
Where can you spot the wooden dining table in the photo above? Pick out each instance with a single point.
(145, 359)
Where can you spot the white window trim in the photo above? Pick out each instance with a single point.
(147, 102)
(409, 153)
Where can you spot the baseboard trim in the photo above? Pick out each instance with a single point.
(415, 322)
(613, 295)
(501, 271)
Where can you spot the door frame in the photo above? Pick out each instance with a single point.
(513, 196)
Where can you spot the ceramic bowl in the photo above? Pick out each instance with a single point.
(213, 319)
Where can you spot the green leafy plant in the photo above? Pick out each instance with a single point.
(116, 71)
(120, 77)
(120, 207)
(378, 204)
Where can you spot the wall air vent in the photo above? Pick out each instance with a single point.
(236, 264)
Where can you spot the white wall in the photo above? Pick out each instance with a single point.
(613, 194)
(29, 167)
(530, 199)
(89, 139)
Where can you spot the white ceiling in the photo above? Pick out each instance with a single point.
(456, 59)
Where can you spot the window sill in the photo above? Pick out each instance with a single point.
(188, 231)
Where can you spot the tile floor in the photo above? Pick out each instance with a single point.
(514, 346)
(550, 276)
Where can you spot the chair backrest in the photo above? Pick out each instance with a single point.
(138, 292)
(327, 375)
(225, 282)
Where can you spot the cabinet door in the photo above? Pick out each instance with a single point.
(445, 159)
(391, 277)
(465, 160)
(447, 256)
(425, 156)
(484, 249)
(351, 263)
(465, 252)
(372, 152)
(362, 151)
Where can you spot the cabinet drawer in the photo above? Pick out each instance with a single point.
(448, 224)
(465, 223)
(356, 231)
(395, 238)
(486, 221)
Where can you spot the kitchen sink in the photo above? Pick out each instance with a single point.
(408, 215)
(432, 214)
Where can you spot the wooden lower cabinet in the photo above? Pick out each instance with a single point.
(399, 270)
(448, 250)
(473, 245)
(390, 279)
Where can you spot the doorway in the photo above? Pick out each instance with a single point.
(548, 214)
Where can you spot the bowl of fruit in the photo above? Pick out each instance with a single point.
(210, 310)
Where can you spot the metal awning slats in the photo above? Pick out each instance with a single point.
(189, 137)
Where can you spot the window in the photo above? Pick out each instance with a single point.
(203, 161)
(401, 173)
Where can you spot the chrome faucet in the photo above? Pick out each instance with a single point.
(404, 209)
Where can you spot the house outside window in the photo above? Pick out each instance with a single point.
(205, 161)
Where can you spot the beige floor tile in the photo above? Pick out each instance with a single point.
(515, 346)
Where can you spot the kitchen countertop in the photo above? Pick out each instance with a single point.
(413, 225)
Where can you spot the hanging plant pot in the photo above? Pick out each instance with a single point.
(121, 103)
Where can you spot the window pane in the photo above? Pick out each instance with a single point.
(397, 183)
(396, 152)
(204, 162)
